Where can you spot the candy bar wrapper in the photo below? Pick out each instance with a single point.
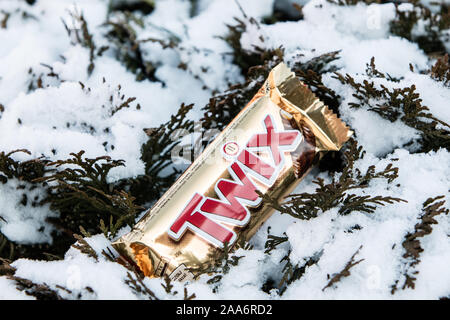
(269, 147)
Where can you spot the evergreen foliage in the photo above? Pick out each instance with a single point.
(344, 272)
(432, 207)
(402, 104)
(337, 193)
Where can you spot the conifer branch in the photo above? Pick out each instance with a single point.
(411, 244)
(306, 206)
(402, 104)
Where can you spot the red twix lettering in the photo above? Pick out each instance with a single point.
(203, 215)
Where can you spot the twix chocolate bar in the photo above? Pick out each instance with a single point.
(267, 149)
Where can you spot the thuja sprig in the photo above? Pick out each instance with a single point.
(220, 262)
(5, 267)
(411, 244)
(274, 241)
(373, 72)
(116, 102)
(122, 35)
(402, 104)
(83, 37)
(39, 291)
(310, 72)
(256, 64)
(25, 173)
(354, 2)
(80, 192)
(11, 250)
(441, 70)
(6, 248)
(22, 170)
(242, 57)
(84, 171)
(168, 286)
(281, 15)
(41, 80)
(344, 272)
(432, 23)
(337, 193)
(222, 108)
(156, 153)
(188, 296)
(138, 286)
(163, 139)
(110, 230)
(142, 6)
(84, 247)
(319, 64)
(4, 19)
(124, 104)
(7, 15)
(292, 272)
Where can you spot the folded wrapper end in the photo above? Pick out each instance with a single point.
(138, 253)
(292, 95)
(143, 259)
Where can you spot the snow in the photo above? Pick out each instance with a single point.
(24, 224)
(432, 93)
(377, 135)
(329, 28)
(9, 291)
(359, 32)
(307, 237)
(78, 271)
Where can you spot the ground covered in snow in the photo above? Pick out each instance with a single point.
(100, 76)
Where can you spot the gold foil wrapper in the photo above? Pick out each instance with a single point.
(269, 146)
